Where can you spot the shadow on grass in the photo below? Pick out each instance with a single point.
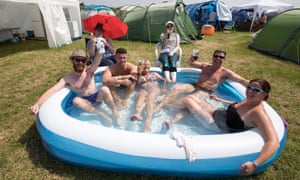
(8, 47)
(42, 159)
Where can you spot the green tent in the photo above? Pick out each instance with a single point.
(280, 36)
(147, 23)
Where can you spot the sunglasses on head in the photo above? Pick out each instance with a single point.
(78, 60)
(255, 89)
(217, 56)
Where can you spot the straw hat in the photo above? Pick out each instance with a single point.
(78, 53)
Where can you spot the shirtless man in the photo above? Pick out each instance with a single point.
(120, 74)
(210, 77)
(81, 81)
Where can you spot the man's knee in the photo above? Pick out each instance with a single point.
(77, 101)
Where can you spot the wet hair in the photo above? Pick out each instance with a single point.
(121, 51)
(265, 86)
(220, 51)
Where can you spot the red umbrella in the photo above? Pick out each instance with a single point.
(113, 27)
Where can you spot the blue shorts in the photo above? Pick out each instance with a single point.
(91, 98)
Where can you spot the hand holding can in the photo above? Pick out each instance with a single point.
(195, 54)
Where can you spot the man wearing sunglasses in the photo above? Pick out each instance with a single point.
(81, 81)
(210, 77)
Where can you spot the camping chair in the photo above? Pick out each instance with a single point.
(157, 62)
(86, 40)
(229, 26)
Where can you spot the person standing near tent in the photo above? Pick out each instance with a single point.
(108, 57)
(168, 57)
(81, 82)
(260, 22)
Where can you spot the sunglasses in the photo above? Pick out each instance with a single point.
(221, 57)
(78, 60)
(169, 26)
(255, 89)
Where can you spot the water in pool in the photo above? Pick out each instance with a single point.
(188, 125)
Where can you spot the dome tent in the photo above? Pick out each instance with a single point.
(200, 13)
(147, 23)
(286, 28)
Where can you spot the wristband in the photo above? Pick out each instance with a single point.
(38, 106)
(255, 164)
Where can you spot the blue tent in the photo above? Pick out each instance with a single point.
(210, 12)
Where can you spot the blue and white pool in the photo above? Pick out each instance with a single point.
(83, 138)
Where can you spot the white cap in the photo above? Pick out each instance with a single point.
(170, 22)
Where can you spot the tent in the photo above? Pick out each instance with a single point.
(255, 8)
(57, 20)
(211, 12)
(90, 10)
(147, 23)
(280, 36)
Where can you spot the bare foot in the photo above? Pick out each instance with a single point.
(116, 114)
(119, 122)
(105, 117)
(136, 117)
(147, 128)
(124, 103)
(167, 124)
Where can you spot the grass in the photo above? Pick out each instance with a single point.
(29, 68)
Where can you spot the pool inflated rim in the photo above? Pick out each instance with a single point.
(100, 147)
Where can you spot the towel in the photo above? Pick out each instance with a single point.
(183, 141)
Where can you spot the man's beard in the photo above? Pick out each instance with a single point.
(78, 68)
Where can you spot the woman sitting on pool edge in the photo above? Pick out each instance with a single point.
(239, 116)
(149, 89)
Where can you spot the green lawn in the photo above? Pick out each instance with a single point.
(29, 68)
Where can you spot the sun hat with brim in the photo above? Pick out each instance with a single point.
(170, 22)
(78, 53)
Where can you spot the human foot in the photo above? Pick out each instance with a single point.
(136, 117)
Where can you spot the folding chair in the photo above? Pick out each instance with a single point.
(157, 62)
(229, 26)
(86, 40)
(86, 49)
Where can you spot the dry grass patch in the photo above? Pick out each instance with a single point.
(29, 68)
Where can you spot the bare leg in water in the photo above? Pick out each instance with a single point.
(193, 104)
(109, 101)
(140, 104)
(172, 96)
(87, 106)
(150, 108)
(177, 117)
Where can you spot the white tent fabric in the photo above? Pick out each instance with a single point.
(25, 13)
(260, 6)
(223, 11)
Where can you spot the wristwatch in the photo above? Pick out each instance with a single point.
(255, 164)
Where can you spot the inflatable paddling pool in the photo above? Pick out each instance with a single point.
(194, 154)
